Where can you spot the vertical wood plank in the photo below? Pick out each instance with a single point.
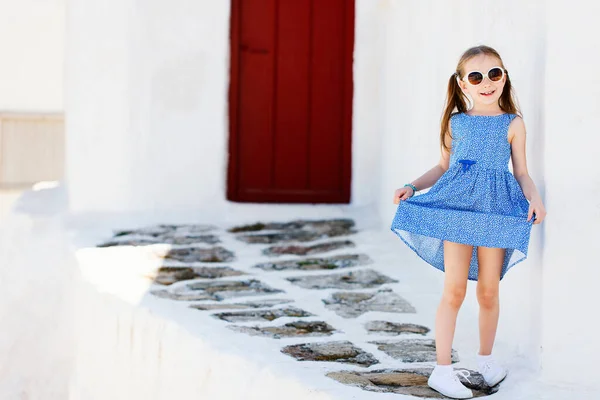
(348, 98)
(292, 88)
(233, 165)
(327, 65)
(256, 95)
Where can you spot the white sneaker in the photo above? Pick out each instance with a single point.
(493, 373)
(447, 383)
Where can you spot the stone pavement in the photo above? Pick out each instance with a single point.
(320, 259)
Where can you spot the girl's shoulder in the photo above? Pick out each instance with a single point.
(463, 117)
(457, 117)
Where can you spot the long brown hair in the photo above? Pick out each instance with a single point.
(456, 100)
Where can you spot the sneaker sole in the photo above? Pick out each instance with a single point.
(498, 379)
(448, 395)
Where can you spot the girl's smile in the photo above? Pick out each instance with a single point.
(485, 95)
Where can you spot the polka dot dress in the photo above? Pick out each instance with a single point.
(477, 201)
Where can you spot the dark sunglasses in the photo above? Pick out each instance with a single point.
(475, 78)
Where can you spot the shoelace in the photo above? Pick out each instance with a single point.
(464, 373)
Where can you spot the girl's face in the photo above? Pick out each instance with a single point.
(487, 92)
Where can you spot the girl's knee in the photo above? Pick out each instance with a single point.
(487, 297)
(454, 295)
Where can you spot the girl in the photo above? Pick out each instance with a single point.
(475, 221)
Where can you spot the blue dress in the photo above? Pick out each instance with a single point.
(477, 201)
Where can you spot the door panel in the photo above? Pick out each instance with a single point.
(291, 101)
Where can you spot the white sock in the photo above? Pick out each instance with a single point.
(482, 359)
(444, 368)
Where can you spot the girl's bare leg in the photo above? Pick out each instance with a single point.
(457, 258)
(490, 261)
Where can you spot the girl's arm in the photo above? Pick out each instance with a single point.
(516, 138)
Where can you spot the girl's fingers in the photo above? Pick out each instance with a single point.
(401, 195)
(538, 218)
(398, 196)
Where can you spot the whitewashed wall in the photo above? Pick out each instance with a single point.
(571, 263)
(146, 94)
(37, 271)
(32, 34)
(147, 129)
(369, 58)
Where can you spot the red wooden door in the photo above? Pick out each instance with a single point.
(290, 101)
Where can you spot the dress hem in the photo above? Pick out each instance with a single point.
(442, 267)
(429, 227)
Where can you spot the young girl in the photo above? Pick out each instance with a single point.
(475, 221)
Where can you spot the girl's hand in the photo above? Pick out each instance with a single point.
(402, 194)
(536, 206)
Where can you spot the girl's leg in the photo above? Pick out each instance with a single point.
(490, 265)
(457, 258)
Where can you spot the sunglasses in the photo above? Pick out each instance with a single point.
(475, 78)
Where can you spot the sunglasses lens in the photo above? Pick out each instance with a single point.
(495, 74)
(475, 78)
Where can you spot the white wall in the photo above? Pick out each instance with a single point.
(369, 56)
(146, 93)
(571, 263)
(37, 271)
(32, 36)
